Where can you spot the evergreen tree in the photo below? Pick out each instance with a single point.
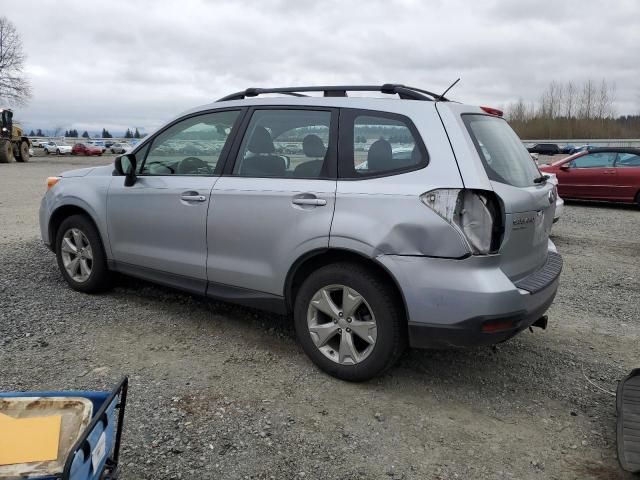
(31, 134)
(39, 133)
(85, 134)
(137, 134)
(128, 134)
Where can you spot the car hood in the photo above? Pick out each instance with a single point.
(106, 170)
(80, 172)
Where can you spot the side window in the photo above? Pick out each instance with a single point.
(190, 147)
(628, 160)
(285, 143)
(595, 160)
(383, 144)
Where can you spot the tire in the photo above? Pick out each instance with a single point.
(46, 151)
(380, 306)
(6, 151)
(99, 277)
(24, 151)
(57, 151)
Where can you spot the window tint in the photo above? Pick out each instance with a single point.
(285, 143)
(190, 147)
(502, 153)
(628, 160)
(382, 144)
(594, 160)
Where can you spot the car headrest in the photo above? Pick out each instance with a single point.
(309, 169)
(263, 166)
(261, 141)
(313, 147)
(380, 156)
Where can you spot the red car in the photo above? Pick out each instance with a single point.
(611, 174)
(84, 149)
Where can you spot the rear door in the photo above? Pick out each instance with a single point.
(275, 200)
(628, 177)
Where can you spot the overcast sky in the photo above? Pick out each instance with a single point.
(125, 63)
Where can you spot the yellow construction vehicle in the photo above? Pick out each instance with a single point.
(13, 144)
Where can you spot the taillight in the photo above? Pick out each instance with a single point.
(475, 214)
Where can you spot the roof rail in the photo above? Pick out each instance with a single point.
(403, 91)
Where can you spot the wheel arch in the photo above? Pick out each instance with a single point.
(63, 212)
(315, 259)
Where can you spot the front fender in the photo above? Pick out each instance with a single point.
(86, 193)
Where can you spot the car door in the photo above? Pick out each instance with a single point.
(590, 176)
(275, 201)
(628, 177)
(157, 227)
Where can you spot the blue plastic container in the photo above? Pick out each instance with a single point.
(95, 454)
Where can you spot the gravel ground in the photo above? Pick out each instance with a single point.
(218, 391)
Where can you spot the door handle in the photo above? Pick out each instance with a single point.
(318, 202)
(192, 197)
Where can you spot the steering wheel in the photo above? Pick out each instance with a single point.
(191, 165)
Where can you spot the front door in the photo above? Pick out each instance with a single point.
(275, 201)
(157, 228)
(590, 176)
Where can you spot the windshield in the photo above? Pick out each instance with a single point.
(503, 155)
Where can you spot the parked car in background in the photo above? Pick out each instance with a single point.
(545, 149)
(119, 147)
(610, 174)
(98, 143)
(108, 143)
(567, 149)
(553, 179)
(581, 148)
(38, 143)
(441, 240)
(86, 149)
(59, 148)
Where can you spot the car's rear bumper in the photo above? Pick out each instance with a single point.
(469, 302)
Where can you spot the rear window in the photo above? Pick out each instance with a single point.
(503, 155)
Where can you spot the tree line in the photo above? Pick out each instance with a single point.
(73, 133)
(573, 110)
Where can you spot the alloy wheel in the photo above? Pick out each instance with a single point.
(77, 256)
(342, 324)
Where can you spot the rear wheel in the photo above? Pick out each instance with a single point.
(349, 322)
(6, 151)
(24, 151)
(80, 255)
(57, 151)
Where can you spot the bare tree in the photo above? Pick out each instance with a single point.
(569, 99)
(14, 87)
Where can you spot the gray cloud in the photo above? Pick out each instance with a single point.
(140, 63)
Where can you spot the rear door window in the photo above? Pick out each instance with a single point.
(628, 160)
(379, 144)
(503, 154)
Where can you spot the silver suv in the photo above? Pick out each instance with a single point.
(375, 222)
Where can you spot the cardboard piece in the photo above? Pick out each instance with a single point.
(24, 440)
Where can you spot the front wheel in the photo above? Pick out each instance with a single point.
(24, 151)
(349, 321)
(57, 151)
(80, 255)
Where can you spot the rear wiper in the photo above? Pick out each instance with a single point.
(541, 179)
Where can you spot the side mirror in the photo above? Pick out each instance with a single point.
(125, 165)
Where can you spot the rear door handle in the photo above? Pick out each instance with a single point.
(318, 202)
(192, 197)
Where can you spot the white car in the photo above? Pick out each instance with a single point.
(559, 201)
(120, 147)
(58, 148)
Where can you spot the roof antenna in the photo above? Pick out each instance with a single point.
(441, 97)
